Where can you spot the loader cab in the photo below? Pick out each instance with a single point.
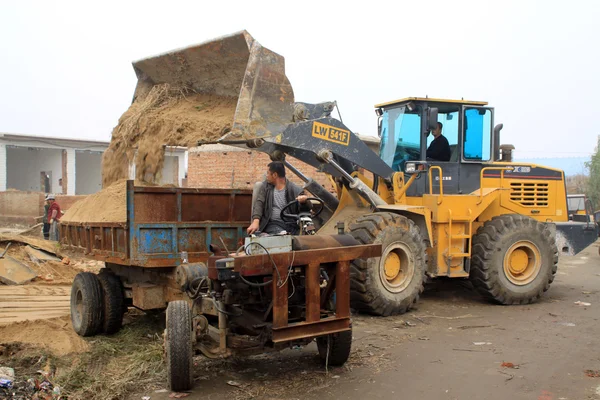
(405, 130)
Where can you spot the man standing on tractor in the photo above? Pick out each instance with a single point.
(439, 149)
(274, 193)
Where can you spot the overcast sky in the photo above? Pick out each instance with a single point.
(66, 69)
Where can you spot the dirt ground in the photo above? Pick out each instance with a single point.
(452, 347)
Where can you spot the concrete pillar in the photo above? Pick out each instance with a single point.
(2, 167)
(71, 172)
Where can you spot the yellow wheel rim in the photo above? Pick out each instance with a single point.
(392, 266)
(522, 262)
(397, 267)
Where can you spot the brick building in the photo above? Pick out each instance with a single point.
(220, 166)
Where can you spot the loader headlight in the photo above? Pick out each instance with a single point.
(410, 168)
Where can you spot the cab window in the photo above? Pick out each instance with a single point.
(477, 134)
(400, 137)
(449, 121)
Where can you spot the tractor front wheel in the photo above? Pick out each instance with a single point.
(178, 343)
(514, 259)
(334, 349)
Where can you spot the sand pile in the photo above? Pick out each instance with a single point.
(163, 115)
(107, 205)
(55, 334)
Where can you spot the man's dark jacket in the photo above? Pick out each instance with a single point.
(263, 205)
(439, 149)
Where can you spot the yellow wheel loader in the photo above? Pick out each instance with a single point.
(476, 214)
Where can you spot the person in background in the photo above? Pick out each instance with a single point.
(46, 227)
(54, 215)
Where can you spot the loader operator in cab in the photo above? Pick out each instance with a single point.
(274, 193)
(439, 149)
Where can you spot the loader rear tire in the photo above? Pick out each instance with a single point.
(340, 345)
(178, 343)
(86, 304)
(114, 299)
(514, 259)
(390, 284)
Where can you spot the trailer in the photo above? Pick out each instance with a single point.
(184, 250)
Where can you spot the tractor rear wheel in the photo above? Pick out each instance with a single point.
(390, 284)
(86, 304)
(514, 259)
(114, 300)
(178, 343)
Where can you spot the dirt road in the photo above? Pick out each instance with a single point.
(452, 347)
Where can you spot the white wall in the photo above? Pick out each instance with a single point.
(2, 167)
(24, 164)
(174, 158)
(168, 170)
(88, 172)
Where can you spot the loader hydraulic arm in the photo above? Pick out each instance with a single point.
(327, 144)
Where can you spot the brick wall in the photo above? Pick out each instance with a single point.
(20, 208)
(225, 167)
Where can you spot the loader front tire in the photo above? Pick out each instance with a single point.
(178, 343)
(514, 259)
(390, 284)
(86, 304)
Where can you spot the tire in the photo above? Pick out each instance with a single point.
(86, 304)
(380, 291)
(114, 300)
(178, 343)
(514, 259)
(340, 345)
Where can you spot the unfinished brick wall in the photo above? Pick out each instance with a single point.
(19, 208)
(239, 169)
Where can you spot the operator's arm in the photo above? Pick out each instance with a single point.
(53, 216)
(257, 210)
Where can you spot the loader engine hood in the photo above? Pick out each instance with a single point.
(234, 66)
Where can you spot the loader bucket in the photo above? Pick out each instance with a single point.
(234, 66)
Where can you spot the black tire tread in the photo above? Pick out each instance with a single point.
(364, 295)
(92, 313)
(179, 346)
(484, 271)
(113, 302)
(340, 345)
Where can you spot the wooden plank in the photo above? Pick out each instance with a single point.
(313, 292)
(280, 299)
(342, 289)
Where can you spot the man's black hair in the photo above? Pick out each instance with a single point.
(277, 167)
(440, 125)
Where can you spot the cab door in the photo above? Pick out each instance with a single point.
(475, 145)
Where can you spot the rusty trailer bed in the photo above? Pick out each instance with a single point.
(163, 222)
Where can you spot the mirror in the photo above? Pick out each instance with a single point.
(432, 118)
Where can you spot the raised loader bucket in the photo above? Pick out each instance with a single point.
(234, 67)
